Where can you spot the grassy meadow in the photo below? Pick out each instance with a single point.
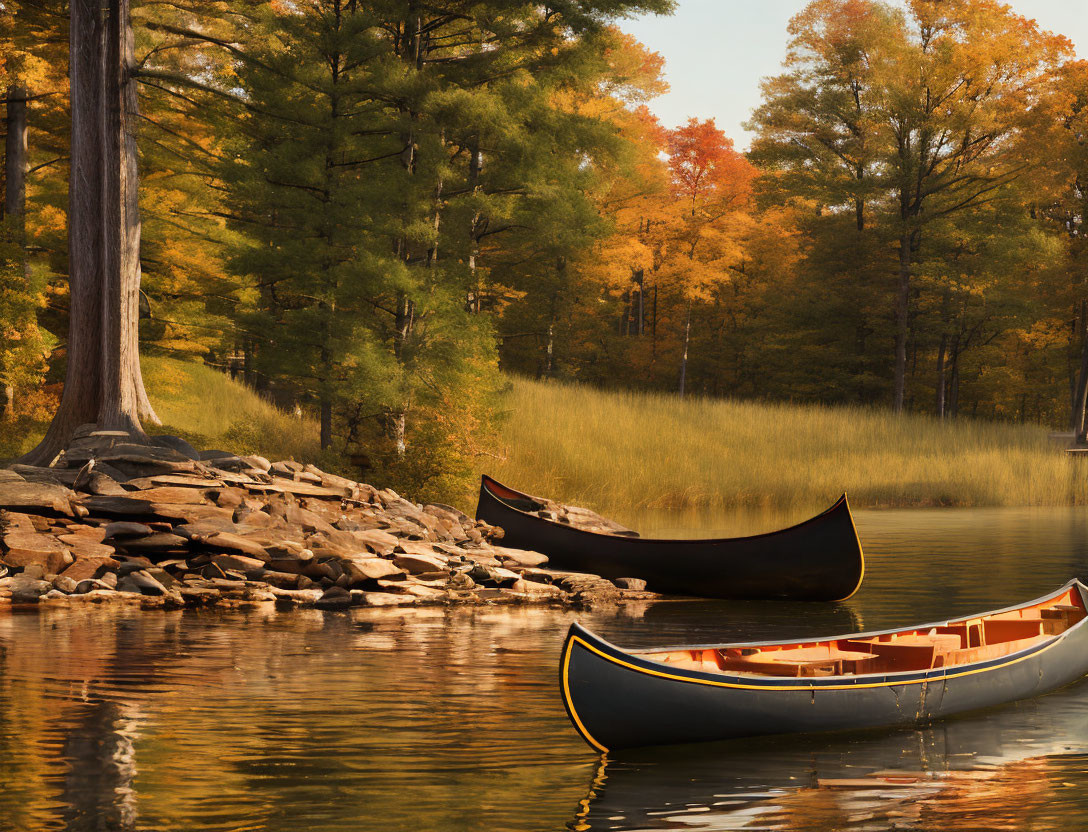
(623, 452)
(207, 408)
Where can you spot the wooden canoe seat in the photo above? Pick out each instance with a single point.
(991, 651)
(818, 660)
(912, 651)
(1014, 629)
(957, 643)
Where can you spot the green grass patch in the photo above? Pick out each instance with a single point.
(210, 410)
(207, 408)
(627, 452)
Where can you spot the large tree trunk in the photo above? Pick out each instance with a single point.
(15, 166)
(103, 383)
(15, 157)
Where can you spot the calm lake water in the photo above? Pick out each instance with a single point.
(451, 720)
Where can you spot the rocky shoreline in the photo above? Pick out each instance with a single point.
(156, 523)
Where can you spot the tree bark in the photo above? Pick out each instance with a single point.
(103, 383)
(954, 384)
(684, 356)
(1080, 394)
(941, 375)
(15, 158)
(15, 168)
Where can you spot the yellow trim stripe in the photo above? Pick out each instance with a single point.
(570, 702)
(861, 552)
(717, 684)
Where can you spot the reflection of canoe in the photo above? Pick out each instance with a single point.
(620, 699)
(725, 786)
(817, 560)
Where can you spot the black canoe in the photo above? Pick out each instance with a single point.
(618, 699)
(817, 560)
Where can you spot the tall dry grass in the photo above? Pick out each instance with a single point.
(626, 452)
(208, 408)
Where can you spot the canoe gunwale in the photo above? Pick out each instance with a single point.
(632, 661)
(838, 504)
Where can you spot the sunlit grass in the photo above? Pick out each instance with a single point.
(626, 452)
(206, 407)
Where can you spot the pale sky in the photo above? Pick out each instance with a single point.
(716, 52)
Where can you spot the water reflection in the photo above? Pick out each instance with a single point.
(450, 720)
(1001, 770)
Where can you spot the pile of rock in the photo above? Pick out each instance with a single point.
(582, 518)
(158, 523)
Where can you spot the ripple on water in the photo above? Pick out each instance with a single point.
(451, 720)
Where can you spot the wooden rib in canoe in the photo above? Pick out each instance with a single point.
(820, 559)
(619, 699)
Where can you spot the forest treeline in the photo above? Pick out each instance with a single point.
(366, 209)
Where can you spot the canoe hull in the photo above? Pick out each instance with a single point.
(818, 560)
(617, 700)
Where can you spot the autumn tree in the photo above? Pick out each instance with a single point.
(712, 183)
(944, 104)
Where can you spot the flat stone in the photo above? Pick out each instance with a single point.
(361, 569)
(173, 494)
(520, 556)
(252, 518)
(379, 542)
(420, 563)
(104, 485)
(123, 528)
(236, 543)
(281, 580)
(201, 530)
(299, 489)
(64, 584)
(141, 582)
(333, 598)
(636, 584)
(295, 596)
(87, 534)
(82, 547)
(26, 590)
(118, 506)
(449, 513)
(229, 497)
(192, 513)
(417, 590)
(36, 497)
(388, 599)
(130, 451)
(175, 443)
(535, 588)
(184, 480)
(24, 549)
(87, 568)
(156, 543)
(258, 462)
(237, 562)
(55, 476)
(412, 547)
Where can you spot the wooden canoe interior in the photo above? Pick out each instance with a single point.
(513, 498)
(956, 643)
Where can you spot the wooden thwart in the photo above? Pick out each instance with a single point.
(957, 643)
